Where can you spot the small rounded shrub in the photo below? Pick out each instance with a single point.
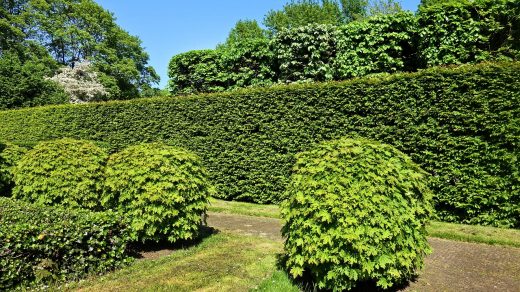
(62, 172)
(10, 154)
(163, 190)
(355, 211)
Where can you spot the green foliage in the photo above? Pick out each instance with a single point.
(163, 190)
(10, 154)
(303, 12)
(244, 30)
(456, 32)
(383, 7)
(23, 82)
(459, 124)
(73, 31)
(246, 58)
(356, 211)
(247, 63)
(379, 44)
(353, 9)
(389, 41)
(195, 72)
(306, 53)
(4, 172)
(62, 172)
(52, 243)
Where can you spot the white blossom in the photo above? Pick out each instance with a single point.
(81, 83)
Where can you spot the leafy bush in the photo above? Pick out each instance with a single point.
(163, 190)
(462, 125)
(195, 72)
(52, 243)
(10, 154)
(247, 63)
(379, 44)
(61, 172)
(306, 53)
(356, 210)
(457, 32)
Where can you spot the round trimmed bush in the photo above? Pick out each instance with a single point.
(62, 172)
(163, 190)
(355, 212)
(10, 154)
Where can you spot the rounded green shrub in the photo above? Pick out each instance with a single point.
(62, 172)
(355, 211)
(163, 190)
(10, 154)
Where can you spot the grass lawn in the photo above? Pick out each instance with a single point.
(222, 262)
(461, 232)
(229, 261)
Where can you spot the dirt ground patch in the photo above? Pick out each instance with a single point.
(453, 265)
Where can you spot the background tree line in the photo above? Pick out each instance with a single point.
(310, 40)
(38, 37)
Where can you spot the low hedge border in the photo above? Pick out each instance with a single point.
(45, 244)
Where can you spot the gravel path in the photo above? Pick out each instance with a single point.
(453, 265)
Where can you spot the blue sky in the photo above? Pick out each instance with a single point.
(169, 27)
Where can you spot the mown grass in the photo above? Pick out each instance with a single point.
(460, 232)
(250, 209)
(473, 233)
(222, 262)
(279, 281)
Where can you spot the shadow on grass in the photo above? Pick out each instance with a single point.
(307, 283)
(151, 249)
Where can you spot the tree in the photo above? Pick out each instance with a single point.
(242, 31)
(434, 2)
(23, 83)
(336, 12)
(352, 10)
(81, 83)
(381, 7)
(78, 30)
(303, 12)
(74, 31)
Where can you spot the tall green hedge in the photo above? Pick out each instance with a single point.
(9, 157)
(462, 125)
(195, 72)
(306, 53)
(458, 32)
(385, 43)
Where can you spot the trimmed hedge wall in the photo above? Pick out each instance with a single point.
(52, 243)
(462, 125)
(9, 157)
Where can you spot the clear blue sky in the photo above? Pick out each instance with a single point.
(169, 27)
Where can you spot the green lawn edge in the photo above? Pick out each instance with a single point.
(452, 231)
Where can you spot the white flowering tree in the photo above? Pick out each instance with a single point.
(81, 83)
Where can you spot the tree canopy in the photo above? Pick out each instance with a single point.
(299, 13)
(72, 31)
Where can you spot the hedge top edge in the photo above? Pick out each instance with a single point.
(375, 79)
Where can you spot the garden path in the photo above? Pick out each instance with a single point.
(453, 265)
